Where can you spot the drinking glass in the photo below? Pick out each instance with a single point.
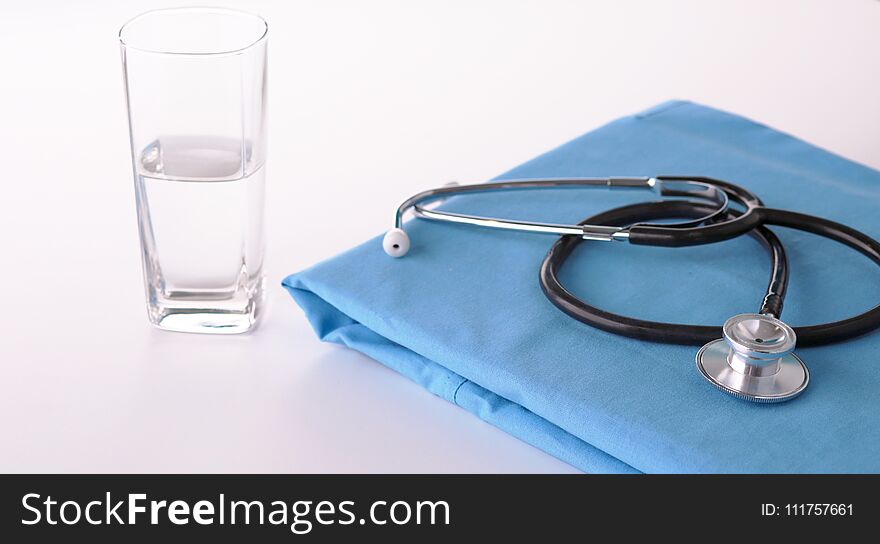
(195, 85)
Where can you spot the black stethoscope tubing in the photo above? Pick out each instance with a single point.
(728, 226)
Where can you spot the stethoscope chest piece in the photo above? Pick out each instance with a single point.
(755, 360)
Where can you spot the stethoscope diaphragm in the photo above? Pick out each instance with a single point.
(754, 360)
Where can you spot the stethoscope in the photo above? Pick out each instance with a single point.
(754, 358)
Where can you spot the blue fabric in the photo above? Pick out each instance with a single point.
(463, 314)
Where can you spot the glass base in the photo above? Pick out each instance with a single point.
(229, 312)
(206, 322)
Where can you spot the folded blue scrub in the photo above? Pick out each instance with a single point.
(463, 314)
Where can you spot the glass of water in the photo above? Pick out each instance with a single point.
(195, 83)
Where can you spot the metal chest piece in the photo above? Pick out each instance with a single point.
(754, 360)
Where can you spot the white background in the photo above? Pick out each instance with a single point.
(369, 102)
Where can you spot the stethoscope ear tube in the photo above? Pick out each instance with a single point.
(707, 190)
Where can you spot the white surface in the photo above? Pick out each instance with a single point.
(369, 102)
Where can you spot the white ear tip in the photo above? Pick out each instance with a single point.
(396, 243)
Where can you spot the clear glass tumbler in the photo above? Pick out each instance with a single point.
(195, 83)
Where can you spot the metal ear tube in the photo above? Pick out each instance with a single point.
(396, 242)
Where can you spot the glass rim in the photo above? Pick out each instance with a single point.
(194, 9)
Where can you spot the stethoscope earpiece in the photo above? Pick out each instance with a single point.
(755, 360)
(396, 242)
